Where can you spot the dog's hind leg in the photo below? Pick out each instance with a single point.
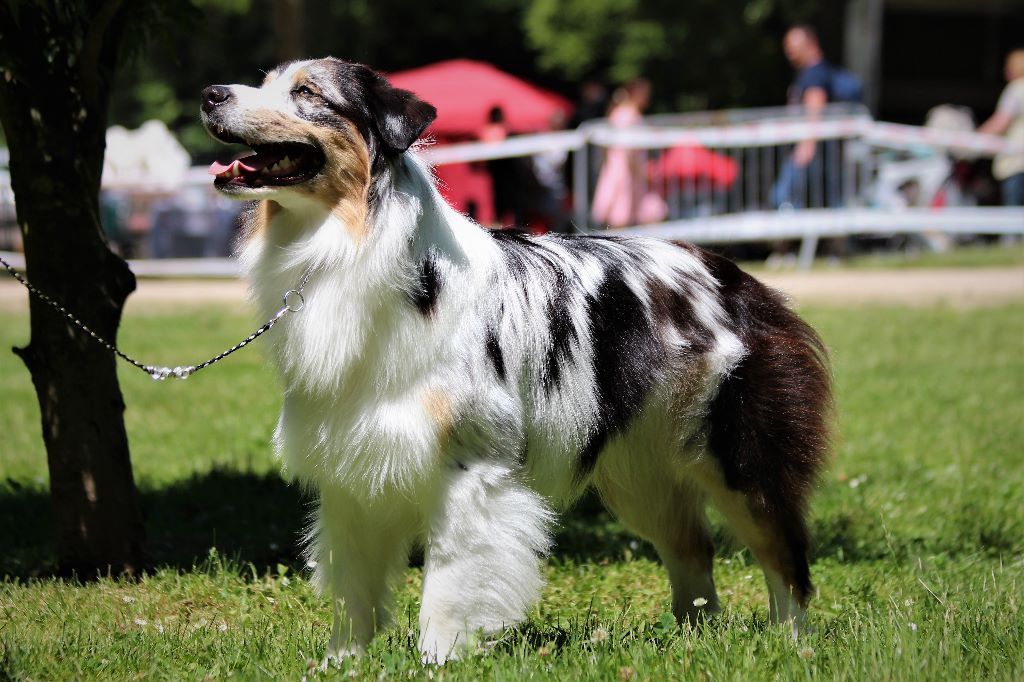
(777, 536)
(486, 539)
(768, 434)
(358, 551)
(650, 501)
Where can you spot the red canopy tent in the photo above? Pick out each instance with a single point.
(464, 91)
(691, 162)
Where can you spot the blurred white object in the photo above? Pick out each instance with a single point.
(953, 119)
(149, 157)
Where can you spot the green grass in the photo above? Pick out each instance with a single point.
(919, 558)
(965, 256)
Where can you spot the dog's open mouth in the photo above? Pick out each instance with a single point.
(276, 164)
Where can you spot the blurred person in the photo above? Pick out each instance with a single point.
(620, 198)
(1008, 120)
(549, 168)
(817, 83)
(592, 105)
(514, 184)
(593, 102)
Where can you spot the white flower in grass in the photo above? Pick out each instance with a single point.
(599, 635)
(160, 628)
(223, 627)
(700, 601)
(141, 622)
(127, 600)
(913, 627)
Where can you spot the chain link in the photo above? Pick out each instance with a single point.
(292, 299)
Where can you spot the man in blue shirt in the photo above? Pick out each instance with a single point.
(810, 90)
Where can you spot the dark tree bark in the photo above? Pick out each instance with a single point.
(57, 60)
(288, 20)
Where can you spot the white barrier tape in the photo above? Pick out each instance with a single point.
(774, 133)
(763, 134)
(520, 145)
(903, 136)
(757, 134)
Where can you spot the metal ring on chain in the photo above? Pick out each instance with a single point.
(287, 298)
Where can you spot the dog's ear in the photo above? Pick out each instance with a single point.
(399, 116)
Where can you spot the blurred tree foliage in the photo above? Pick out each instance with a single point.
(698, 53)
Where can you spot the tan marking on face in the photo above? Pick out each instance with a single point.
(274, 126)
(345, 179)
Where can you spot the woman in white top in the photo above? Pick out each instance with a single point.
(1008, 167)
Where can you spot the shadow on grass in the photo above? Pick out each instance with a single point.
(259, 519)
(249, 517)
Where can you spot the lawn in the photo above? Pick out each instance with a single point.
(919, 558)
(975, 255)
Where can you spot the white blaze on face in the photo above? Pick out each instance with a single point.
(272, 100)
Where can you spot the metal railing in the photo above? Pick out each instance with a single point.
(731, 177)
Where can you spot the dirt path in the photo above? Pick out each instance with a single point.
(952, 286)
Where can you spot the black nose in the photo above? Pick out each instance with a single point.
(214, 96)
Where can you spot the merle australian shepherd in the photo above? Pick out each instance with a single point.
(455, 386)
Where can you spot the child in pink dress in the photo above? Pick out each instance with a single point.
(620, 197)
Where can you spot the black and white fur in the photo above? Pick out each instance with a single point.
(457, 387)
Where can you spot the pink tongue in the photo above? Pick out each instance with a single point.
(250, 163)
(216, 168)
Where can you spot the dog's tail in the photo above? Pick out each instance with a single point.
(770, 423)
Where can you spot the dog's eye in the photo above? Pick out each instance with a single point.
(303, 90)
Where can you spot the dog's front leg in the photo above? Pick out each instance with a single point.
(359, 549)
(487, 536)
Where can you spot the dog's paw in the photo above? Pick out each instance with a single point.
(437, 648)
(336, 654)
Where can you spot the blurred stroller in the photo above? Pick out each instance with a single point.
(923, 177)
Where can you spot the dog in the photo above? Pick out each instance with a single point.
(458, 387)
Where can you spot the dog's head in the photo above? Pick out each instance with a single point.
(316, 129)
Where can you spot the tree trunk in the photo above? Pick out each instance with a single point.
(54, 86)
(288, 20)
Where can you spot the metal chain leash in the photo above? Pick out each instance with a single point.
(292, 299)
